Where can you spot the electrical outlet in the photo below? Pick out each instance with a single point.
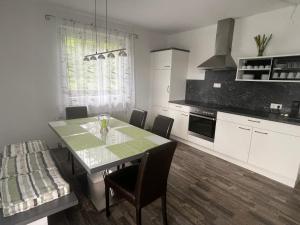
(275, 106)
(217, 85)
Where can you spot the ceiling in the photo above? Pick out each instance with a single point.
(171, 16)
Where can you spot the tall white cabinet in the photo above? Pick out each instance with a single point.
(169, 72)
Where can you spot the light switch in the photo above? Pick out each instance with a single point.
(217, 85)
(275, 106)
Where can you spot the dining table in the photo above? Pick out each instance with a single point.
(99, 150)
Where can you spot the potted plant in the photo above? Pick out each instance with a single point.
(262, 41)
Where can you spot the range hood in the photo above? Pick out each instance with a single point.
(222, 60)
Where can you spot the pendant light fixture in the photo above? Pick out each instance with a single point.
(110, 53)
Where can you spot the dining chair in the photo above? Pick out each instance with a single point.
(144, 183)
(162, 126)
(138, 118)
(75, 112)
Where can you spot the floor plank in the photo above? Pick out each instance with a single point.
(202, 190)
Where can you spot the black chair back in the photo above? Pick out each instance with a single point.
(153, 173)
(76, 112)
(162, 126)
(138, 118)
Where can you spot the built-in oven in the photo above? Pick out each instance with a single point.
(202, 124)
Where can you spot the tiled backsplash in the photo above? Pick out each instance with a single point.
(248, 95)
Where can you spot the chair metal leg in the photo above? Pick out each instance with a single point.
(164, 209)
(73, 167)
(138, 216)
(107, 201)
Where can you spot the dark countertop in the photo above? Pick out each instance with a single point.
(243, 112)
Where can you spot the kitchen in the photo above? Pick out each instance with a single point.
(249, 121)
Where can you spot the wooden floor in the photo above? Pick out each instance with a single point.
(202, 189)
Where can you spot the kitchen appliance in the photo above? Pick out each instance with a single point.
(202, 123)
(295, 109)
(222, 60)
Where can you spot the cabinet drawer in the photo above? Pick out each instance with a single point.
(260, 123)
(182, 108)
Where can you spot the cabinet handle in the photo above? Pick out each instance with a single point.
(184, 114)
(167, 66)
(254, 121)
(258, 132)
(244, 128)
(168, 89)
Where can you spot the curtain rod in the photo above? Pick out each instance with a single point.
(49, 17)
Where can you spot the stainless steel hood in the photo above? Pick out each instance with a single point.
(222, 60)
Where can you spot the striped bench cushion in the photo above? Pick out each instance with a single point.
(23, 192)
(23, 164)
(13, 150)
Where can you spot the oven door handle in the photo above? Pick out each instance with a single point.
(204, 117)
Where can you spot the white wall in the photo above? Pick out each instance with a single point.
(201, 42)
(28, 69)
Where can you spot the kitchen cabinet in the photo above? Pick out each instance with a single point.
(182, 108)
(233, 140)
(266, 147)
(161, 87)
(180, 125)
(162, 60)
(169, 70)
(276, 152)
(158, 110)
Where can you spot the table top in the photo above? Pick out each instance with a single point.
(97, 151)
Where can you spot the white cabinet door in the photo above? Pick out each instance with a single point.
(233, 140)
(162, 60)
(158, 110)
(275, 152)
(180, 125)
(161, 87)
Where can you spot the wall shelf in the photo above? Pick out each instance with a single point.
(280, 68)
(274, 81)
(254, 69)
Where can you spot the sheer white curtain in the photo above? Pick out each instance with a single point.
(103, 85)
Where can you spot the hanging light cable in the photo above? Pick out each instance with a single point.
(93, 57)
(110, 53)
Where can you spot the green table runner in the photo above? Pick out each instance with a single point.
(134, 132)
(70, 130)
(81, 121)
(131, 148)
(83, 141)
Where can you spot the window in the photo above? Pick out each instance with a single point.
(103, 85)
